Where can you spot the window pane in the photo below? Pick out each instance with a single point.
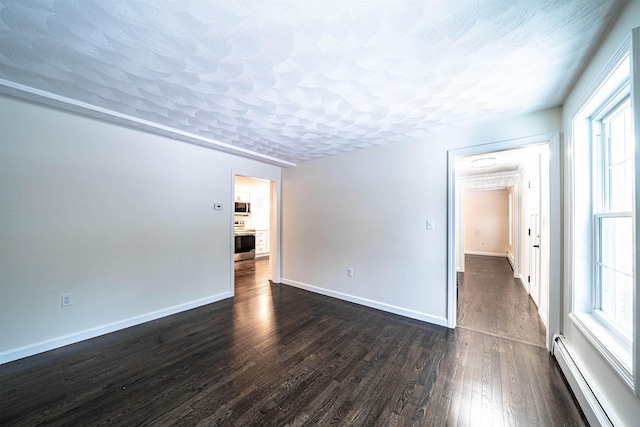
(620, 187)
(616, 241)
(618, 159)
(616, 301)
(616, 268)
(618, 135)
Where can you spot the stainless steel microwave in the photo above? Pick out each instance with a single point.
(243, 208)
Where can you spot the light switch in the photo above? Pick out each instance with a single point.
(217, 206)
(430, 224)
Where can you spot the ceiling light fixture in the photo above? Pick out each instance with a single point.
(484, 162)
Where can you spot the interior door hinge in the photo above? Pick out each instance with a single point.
(528, 279)
(529, 232)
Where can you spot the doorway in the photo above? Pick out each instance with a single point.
(258, 198)
(546, 234)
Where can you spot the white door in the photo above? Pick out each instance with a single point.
(534, 259)
(533, 194)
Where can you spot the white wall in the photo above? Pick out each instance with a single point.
(610, 389)
(486, 222)
(367, 210)
(545, 236)
(122, 219)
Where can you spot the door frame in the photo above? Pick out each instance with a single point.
(275, 202)
(554, 302)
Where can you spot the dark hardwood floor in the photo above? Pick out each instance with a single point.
(490, 300)
(279, 356)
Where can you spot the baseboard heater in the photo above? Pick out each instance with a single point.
(591, 407)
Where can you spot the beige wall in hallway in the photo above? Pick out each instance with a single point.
(486, 222)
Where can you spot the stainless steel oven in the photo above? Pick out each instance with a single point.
(245, 246)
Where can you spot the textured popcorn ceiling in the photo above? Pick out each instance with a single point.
(289, 81)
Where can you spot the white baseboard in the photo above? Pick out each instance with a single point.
(589, 403)
(523, 282)
(501, 255)
(413, 314)
(543, 317)
(41, 347)
(511, 260)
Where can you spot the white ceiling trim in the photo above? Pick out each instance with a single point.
(51, 99)
(469, 179)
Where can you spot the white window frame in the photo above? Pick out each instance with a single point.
(614, 85)
(602, 201)
(624, 337)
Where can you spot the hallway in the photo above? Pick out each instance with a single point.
(492, 301)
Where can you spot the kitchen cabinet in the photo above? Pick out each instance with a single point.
(242, 196)
(262, 243)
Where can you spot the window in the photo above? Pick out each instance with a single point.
(613, 218)
(603, 211)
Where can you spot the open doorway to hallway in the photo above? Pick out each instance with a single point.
(514, 228)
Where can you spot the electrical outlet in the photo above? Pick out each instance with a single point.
(66, 299)
(349, 272)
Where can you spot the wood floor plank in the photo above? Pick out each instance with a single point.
(280, 356)
(491, 300)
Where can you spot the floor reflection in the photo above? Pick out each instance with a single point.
(254, 317)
